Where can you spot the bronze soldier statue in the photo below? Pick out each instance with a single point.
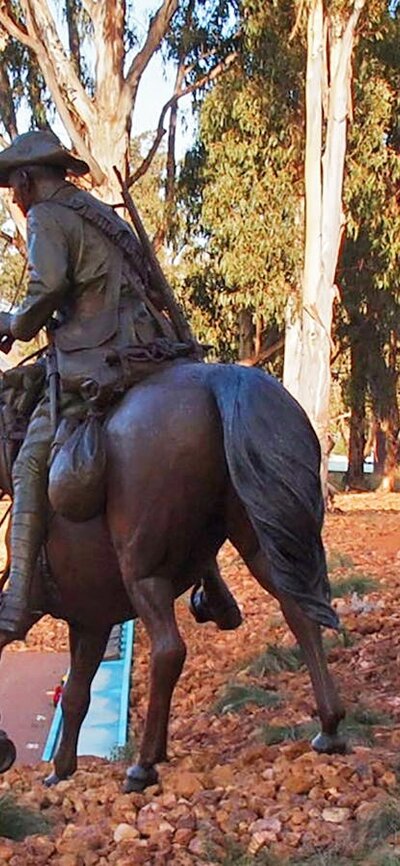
(88, 274)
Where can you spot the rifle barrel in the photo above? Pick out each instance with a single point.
(178, 319)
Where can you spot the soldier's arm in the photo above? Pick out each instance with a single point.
(48, 272)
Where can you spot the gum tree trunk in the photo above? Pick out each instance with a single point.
(328, 79)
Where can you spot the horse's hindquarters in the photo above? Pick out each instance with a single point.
(166, 474)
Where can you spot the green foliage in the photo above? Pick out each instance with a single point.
(358, 727)
(274, 734)
(12, 276)
(369, 268)
(125, 753)
(355, 582)
(386, 859)
(359, 724)
(384, 823)
(17, 822)
(352, 580)
(147, 190)
(336, 560)
(274, 660)
(236, 856)
(238, 696)
(328, 858)
(242, 194)
(243, 180)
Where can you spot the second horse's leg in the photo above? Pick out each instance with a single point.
(87, 650)
(153, 601)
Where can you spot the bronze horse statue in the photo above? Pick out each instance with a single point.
(196, 454)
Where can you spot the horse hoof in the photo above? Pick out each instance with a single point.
(226, 616)
(329, 744)
(8, 752)
(138, 778)
(51, 780)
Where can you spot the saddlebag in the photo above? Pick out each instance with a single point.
(78, 470)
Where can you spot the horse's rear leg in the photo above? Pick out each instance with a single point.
(308, 635)
(87, 650)
(330, 707)
(153, 601)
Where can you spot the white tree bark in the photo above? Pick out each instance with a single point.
(99, 125)
(310, 340)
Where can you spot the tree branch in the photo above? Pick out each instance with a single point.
(157, 29)
(263, 356)
(40, 25)
(90, 7)
(18, 219)
(14, 28)
(201, 82)
(52, 64)
(7, 238)
(56, 67)
(296, 24)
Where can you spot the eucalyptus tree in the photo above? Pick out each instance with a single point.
(369, 268)
(84, 60)
(331, 32)
(272, 227)
(242, 189)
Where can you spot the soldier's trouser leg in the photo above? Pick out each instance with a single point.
(29, 520)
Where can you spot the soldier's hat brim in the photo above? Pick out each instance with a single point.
(38, 148)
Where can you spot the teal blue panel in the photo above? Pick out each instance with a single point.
(106, 724)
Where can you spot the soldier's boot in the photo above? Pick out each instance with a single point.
(212, 601)
(27, 536)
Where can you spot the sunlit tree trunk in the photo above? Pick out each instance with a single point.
(328, 79)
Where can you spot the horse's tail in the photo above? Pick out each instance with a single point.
(273, 457)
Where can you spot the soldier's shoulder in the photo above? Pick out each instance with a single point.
(49, 212)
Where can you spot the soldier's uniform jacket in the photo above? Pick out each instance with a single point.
(87, 267)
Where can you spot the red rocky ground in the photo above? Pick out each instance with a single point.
(223, 783)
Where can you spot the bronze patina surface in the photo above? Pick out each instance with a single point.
(195, 454)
